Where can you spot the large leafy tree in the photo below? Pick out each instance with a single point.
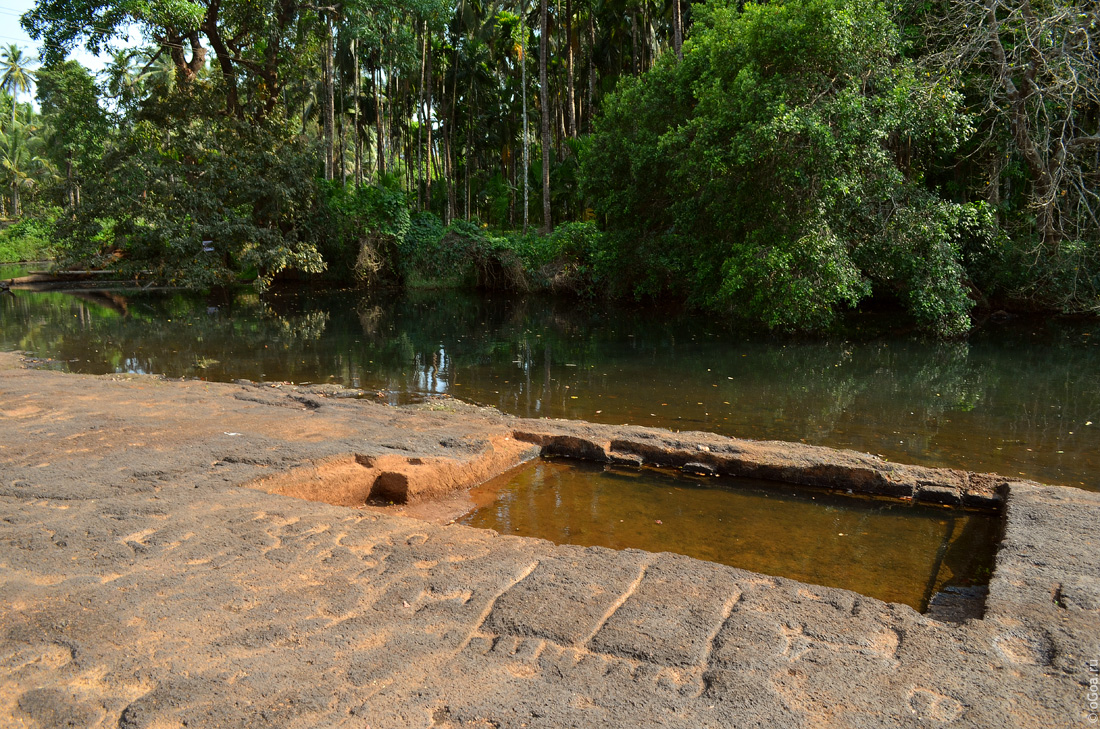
(1032, 69)
(198, 201)
(251, 43)
(204, 177)
(69, 97)
(777, 171)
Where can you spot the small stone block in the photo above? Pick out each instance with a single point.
(939, 495)
(976, 500)
(626, 459)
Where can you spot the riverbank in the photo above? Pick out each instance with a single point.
(155, 569)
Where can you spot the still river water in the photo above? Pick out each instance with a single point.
(1021, 398)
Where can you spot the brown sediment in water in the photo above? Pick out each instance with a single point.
(890, 549)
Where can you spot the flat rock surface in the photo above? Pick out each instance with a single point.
(148, 579)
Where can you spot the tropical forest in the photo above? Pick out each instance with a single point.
(777, 164)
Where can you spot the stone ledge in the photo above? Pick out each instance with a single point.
(797, 463)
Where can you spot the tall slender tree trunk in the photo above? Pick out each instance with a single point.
(526, 137)
(510, 175)
(448, 142)
(544, 113)
(466, 166)
(569, 81)
(677, 30)
(394, 87)
(560, 130)
(428, 113)
(591, 69)
(328, 101)
(343, 140)
(634, 67)
(420, 118)
(70, 191)
(449, 171)
(445, 155)
(387, 119)
(358, 125)
(380, 155)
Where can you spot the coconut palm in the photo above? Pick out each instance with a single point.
(17, 78)
(21, 165)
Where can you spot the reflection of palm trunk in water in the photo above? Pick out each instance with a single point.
(930, 589)
(527, 373)
(546, 376)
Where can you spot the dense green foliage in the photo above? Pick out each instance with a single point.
(198, 202)
(777, 172)
(791, 161)
(31, 239)
(569, 260)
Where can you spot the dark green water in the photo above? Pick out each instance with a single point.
(1016, 398)
(882, 548)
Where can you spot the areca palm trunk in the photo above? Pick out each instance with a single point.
(571, 100)
(526, 146)
(358, 127)
(677, 30)
(380, 161)
(635, 68)
(428, 113)
(329, 111)
(591, 68)
(544, 113)
(449, 142)
(420, 118)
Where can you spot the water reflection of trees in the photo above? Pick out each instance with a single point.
(174, 334)
(979, 404)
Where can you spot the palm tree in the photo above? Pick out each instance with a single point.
(544, 114)
(18, 77)
(120, 74)
(20, 161)
(133, 72)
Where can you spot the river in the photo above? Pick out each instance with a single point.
(1021, 398)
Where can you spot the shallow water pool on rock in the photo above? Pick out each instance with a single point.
(882, 548)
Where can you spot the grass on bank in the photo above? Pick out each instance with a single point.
(30, 239)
